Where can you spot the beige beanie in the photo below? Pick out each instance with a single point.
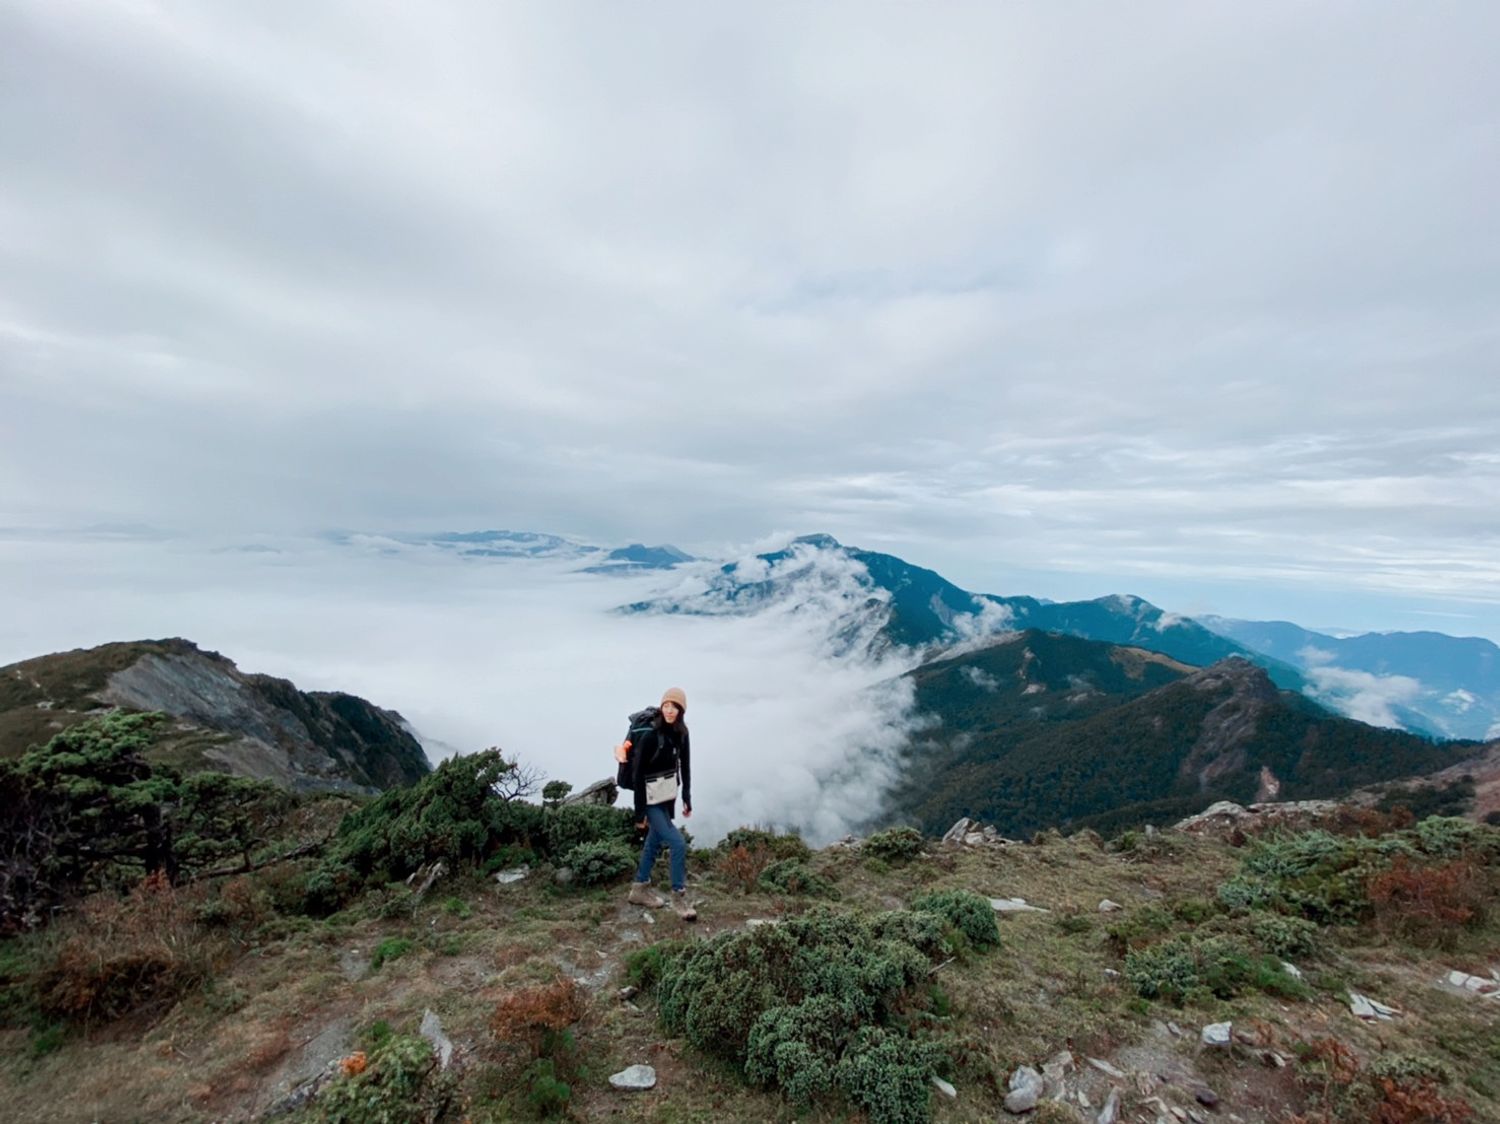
(674, 694)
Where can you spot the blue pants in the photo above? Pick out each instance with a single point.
(662, 831)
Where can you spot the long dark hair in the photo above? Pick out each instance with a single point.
(678, 728)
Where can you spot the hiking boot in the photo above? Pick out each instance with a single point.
(641, 893)
(681, 907)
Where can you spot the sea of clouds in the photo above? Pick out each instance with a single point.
(792, 725)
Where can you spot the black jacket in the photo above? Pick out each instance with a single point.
(660, 752)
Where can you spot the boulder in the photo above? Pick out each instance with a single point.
(1107, 906)
(1362, 1006)
(514, 874)
(1475, 985)
(956, 833)
(603, 793)
(1014, 905)
(432, 1030)
(946, 1089)
(636, 1077)
(1058, 1066)
(1026, 1086)
(1218, 1035)
(1224, 817)
(1111, 1110)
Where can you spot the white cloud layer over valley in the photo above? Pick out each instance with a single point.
(524, 655)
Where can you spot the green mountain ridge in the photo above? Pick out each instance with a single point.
(1041, 730)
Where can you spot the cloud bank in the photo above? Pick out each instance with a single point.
(522, 654)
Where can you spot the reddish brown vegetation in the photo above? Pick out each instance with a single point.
(126, 952)
(742, 867)
(526, 1016)
(1342, 1093)
(1426, 904)
(1419, 1102)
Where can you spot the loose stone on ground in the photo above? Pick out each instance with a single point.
(635, 1078)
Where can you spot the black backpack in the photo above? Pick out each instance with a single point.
(642, 722)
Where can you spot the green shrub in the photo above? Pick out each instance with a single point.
(546, 1093)
(644, 966)
(376, 1035)
(598, 863)
(1074, 923)
(1137, 927)
(1326, 878)
(396, 901)
(47, 1040)
(458, 908)
(898, 844)
(456, 814)
(889, 1075)
(1186, 968)
(1447, 836)
(810, 1006)
(509, 855)
(573, 825)
(399, 1083)
(968, 912)
(1286, 937)
(1194, 911)
(793, 876)
(923, 931)
(392, 948)
(1408, 1069)
(775, 845)
(1242, 893)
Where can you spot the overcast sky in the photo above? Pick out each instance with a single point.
(1196, 300)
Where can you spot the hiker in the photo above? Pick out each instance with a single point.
(658, 757)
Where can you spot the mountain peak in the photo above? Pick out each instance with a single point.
(822, 541)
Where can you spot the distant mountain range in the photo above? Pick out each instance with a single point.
(1449, 685)
(533, 545)
(224, 719)
(1425, 683)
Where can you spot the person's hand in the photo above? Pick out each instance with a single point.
(642, 826)
(687, 812)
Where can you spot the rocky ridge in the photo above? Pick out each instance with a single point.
(225, 719)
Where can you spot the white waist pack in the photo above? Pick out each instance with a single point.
(659, 790)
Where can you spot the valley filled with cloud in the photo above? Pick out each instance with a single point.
(791, 726)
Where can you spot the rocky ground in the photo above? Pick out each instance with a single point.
(1045, 1027)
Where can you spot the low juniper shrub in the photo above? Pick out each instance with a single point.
(968, 912)
(793, 876)
(599, 863)
(817, 1006)
(897, 844)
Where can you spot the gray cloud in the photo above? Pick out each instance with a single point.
(1185, 294)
